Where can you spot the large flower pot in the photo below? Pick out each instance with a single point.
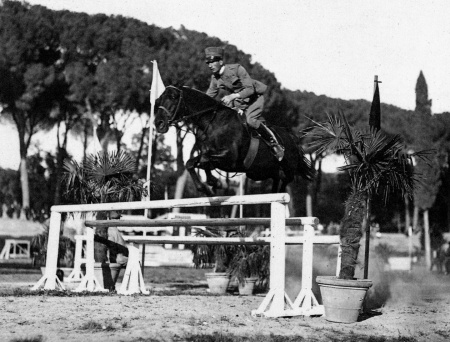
(105, 273)
(246, 288)
(342, 298)
(218, 282)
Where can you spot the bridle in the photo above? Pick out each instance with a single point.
(173, 116)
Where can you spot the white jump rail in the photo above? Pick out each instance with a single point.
(276, 303)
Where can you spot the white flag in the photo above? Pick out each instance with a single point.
(155, 92)
(157, 85)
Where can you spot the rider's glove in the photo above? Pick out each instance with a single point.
(228, 100)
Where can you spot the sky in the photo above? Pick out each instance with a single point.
(332, 48)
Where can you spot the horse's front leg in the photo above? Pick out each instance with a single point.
(211, 180)
(191, 165)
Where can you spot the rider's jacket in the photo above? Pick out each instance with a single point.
(235, 79)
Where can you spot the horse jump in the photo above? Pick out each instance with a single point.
(276, 303)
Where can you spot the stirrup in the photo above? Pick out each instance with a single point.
(277, 151)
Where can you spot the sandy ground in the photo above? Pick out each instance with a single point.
(416, 306)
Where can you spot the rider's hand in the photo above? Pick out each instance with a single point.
(228, 100)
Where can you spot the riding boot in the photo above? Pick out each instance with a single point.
(269, 137)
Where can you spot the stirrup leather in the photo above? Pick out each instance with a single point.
(269, 137)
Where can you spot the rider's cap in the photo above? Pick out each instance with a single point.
(213, 54)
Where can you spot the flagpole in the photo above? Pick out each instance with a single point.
(149, 157)
(156, 90)
(368, 206)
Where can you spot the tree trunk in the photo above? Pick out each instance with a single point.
(366, 225)
(291, 204)
(407, 215)
(351, 233)
(179, 189)
(309, 211)
(416, 218)
(25, 187)
(85, 140)
(426, 232)
(317, 183)
(141, 147)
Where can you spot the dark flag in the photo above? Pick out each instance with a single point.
(375, 110)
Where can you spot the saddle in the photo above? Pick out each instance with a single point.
(254, 140)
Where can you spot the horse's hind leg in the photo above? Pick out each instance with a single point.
(191, 165)
(275, 183)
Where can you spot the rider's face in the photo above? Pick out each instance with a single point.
(215, 66)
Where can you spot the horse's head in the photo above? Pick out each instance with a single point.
(167, 108)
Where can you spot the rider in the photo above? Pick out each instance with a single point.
(246, 94)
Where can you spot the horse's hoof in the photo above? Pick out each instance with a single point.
(205, 190)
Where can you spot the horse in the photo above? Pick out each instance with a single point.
(223, 141)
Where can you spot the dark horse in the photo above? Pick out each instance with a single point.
(222, 140)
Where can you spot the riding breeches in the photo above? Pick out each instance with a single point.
(253, 111)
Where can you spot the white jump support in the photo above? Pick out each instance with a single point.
(76, 274)
(275, 304)
(49, 280)
(90, 282)
(133, 281)
(306, 303)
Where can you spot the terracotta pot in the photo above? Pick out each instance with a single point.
(218, 282)
(246, 289)
(342, 298)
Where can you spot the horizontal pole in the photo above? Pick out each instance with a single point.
(176, 203)
(199, 240)
(199, 222)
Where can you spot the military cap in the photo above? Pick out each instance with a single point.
(213, 54)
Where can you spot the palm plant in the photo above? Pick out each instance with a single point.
(102, 178)
(251, 261)
(376, 164)
(217, 256)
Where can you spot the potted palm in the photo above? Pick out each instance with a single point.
(376, 164)
(103, 178)
(215, 256)
(249, 265)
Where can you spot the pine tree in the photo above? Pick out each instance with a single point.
(423, 105)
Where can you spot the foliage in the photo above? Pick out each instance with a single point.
(9, 191)
(251, 261)
(376, 164)
(66, 249)
(220, 256)
(56, 66)
(104, 177)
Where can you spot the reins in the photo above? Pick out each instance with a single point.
(173, 120)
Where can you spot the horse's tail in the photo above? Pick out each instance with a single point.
(304, 168)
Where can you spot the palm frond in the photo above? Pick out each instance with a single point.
(104, 177)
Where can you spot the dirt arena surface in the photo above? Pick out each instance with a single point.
(416, 308)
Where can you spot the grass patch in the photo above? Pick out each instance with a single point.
(221, 337)
(38, 338)
(96, 326)
(68, 293)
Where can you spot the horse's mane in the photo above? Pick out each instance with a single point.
(207, 100)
